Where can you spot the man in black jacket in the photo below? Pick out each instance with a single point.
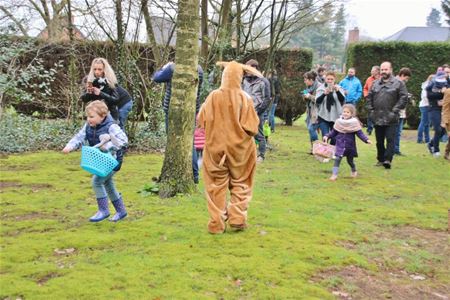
(387, 96)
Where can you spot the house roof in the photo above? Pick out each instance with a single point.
(421, 34)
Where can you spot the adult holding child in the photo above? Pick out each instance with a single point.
(329, 100)
(386, 98)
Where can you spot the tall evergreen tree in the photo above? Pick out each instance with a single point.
(434, 18)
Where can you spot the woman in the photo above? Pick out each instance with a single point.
(329, 100)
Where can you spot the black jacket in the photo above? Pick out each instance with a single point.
(385, 100)
(107, 94)
(124, 96)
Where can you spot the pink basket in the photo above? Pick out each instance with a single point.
(323, 149)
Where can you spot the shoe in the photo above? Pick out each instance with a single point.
(354, 174)
(399, 154)
(447, 156)
(196, 180)
(436, 154)
(387, 164)
(99, 216)
(120, 210)
(430, 148)
(118, 217)
(378, 164)
(419, 142)
(237, 227)
(259, 159)
(333, 178)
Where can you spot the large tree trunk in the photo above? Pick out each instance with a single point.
(176, 175)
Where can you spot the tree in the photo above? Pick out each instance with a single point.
(445, 4)
(176, 175)
(434, 18)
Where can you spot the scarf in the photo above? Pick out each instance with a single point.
(347, 125)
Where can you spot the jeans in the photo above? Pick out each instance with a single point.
(385, 133)
(123, 114)
(424, 127)
(260, 137)
(435, 118)
(272, 115)
(398, 135)
(194, 153)
(369, 125)
(312, 129)
(326, 127)
(104, 186)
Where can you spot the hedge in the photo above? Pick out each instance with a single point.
(422, 58)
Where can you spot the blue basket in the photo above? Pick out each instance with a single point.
(97, 162)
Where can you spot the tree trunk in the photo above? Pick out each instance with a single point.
(224, 28)
(150, 34)
(205, 35)
(176, 175)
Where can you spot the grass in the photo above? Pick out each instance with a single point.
(301, 225)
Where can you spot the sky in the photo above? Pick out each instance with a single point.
(382, 18)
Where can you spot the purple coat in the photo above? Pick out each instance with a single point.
(345, 142)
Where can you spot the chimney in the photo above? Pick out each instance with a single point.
(353, 35)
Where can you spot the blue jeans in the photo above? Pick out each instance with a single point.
(312, 129)
(272, 116)
(123, 114)
(326, 127)
(104, 186)
(435, 118)
(369, 125)
(260, 136)
(398, 135)
(424, 127)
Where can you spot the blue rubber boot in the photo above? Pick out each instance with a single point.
(103, 210)
(120, 210)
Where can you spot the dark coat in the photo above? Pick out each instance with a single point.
(346, 142)
(385, 100)
(109, 95)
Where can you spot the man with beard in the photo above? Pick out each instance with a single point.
(387, 96)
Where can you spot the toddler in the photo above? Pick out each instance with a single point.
(344, 130)
(101, 127)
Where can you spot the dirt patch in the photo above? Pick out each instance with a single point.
(35, 187)
(43, 279)
(411, 263)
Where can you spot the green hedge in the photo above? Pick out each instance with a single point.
(290, 66)
(421, 58)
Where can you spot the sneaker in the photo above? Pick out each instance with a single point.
(447, 155)
(354, 174)
(387, 164)
(333, 178)
(436, 154)
(430, 148)
(399, 154)
(378, 164)
(259, 159)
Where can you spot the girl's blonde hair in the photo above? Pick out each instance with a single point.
(97, 106)
(109, 72)
(351, 108)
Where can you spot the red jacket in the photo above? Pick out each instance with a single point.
(368, 85)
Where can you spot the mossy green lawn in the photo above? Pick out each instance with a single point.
(299, 225)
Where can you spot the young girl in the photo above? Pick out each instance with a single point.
(102, 85)
(100, 127)
(344, 130)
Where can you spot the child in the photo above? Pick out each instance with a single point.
(101, 85)
(100, 127)
(344, 130)
(199, 144)
(229, 159)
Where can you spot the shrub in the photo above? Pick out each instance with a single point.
(421, 58)
(21, 133)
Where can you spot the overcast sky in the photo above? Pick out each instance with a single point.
(382, 18)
